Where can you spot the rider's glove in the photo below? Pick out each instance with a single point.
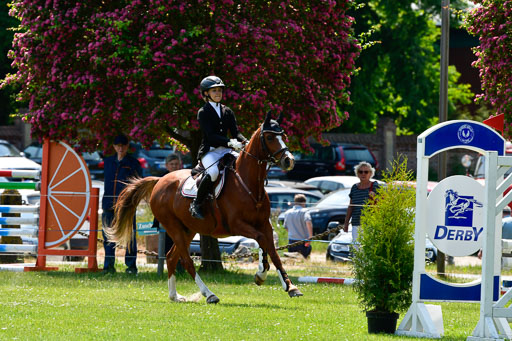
(233, 143)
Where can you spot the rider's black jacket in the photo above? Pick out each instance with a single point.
(215, 130)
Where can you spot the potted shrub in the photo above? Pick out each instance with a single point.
(384, 257)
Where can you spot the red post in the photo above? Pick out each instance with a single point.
(41, 258)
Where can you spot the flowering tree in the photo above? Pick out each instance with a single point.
(91, 69)
(491, 22)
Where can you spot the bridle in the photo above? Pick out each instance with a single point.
(270, 159)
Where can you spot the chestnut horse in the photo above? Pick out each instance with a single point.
(242, 208)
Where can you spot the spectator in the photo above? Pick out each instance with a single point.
(173, 162)
(298, 223)
(359, 195)
(119, 168)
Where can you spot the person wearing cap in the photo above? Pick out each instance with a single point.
(215, 121)
(119, 168)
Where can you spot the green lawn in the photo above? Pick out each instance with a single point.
(67, 306)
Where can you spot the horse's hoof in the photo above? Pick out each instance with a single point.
(212, 299)
(258, 280)
(294, 293)
(178, 298)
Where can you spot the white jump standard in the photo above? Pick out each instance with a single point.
(460, 217)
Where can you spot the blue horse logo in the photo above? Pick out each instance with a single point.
(459, 209)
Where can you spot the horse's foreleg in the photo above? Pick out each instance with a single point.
(266, 242)
(263, 268)
(288, 286)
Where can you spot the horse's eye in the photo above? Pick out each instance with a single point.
(270, 137)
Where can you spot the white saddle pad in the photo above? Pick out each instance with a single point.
(189, 188)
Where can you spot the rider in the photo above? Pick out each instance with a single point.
(215, 121)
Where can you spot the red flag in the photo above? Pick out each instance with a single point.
(497, 122)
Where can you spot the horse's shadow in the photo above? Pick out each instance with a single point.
(166, 302)
(220, 276)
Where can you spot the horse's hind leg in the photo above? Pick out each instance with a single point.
(188, 264)
(263, 267)
(172, 258)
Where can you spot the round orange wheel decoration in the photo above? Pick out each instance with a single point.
(68, 194)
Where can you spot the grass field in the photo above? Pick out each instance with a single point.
(63, 305)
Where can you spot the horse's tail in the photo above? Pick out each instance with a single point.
(137, 189)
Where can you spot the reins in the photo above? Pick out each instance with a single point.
(266, 162)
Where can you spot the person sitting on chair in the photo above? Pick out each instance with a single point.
(215, 121)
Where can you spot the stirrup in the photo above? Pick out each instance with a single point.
(195, 211)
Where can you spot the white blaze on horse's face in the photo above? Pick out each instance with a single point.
(287, 161)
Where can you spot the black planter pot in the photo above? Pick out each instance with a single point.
(381, 322)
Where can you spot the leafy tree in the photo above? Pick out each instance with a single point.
(398, 71)
(93, 68)
(491, 22)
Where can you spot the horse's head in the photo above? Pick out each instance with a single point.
(273, 144)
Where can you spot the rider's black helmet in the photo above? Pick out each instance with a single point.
(211, 82)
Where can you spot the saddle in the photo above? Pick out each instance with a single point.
(189, 188)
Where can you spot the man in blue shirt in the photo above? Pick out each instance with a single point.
(119, 168)
(297, 221)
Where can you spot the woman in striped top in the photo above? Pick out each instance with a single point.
(359, 195)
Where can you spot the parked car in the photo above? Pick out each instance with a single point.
(93, 160)
(281, 198)
(294, 184)
(335, 159)
(152, 160)
(11, 158)
(339, 249)
(327, 184)
(332, 207)
(227, 245)
(276, 172)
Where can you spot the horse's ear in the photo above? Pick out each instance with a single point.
(280, 118)
(268, 117)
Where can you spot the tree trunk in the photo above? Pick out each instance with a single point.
(210, 260)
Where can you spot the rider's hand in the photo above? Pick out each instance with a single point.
(233, 143)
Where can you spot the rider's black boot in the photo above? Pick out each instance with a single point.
(196, 207)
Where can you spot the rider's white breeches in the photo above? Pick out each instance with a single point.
(209, 160)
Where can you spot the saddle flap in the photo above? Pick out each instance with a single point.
(189, 188)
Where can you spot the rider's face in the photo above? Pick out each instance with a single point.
(215, 94)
